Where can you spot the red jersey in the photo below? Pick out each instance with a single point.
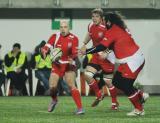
(122, 42)
(96, 32)
(68, 44)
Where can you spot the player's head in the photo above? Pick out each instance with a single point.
(97, 16)
(114, 18)
(64, 27)
(16, 47)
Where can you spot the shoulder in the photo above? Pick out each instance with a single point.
(73, 37)
(90, 25)
(116, 28)
(53, 36)
(22, 54)
(102, 26)
(9, 54)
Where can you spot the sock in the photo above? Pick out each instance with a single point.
(113, 93)
(134, 98)
(54, 98)
(53, 94)
(76, 97)
(140, 93)
(94, 86)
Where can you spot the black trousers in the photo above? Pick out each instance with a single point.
(2, 79)
(124, 84)
(17, 79)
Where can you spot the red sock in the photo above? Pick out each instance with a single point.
(134, 98)
(76, 97)
(140, 94)
(113, 93)
(54, 98)
(53, 94)
(94, 86)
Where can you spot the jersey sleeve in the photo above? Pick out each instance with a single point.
(49, 44)
(75, 48)
(108, 39)
(52, 40)
(89, 26)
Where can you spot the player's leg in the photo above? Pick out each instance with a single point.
(112, 89)
(70, 79)
(126, 85)
(108, 69)
(90, 71)
(53, 81)
(99, 79)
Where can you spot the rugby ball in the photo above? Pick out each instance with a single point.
(55, 54)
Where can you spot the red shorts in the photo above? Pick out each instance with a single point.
(104, 64)
(127, 73)
(60, 69)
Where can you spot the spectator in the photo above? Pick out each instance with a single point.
(2, 75)
(15, 63)
(42, 66)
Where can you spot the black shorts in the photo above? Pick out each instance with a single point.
(124, 84)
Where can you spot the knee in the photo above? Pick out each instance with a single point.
(89, 74)
(70, 83)
(125, 87)
(108, 82)
(116, 84)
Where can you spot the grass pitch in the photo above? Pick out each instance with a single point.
(34, 110)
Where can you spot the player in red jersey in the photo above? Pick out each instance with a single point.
(68, 42)
(131, 59)
(99, 62)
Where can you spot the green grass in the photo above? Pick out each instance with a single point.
(34, 110)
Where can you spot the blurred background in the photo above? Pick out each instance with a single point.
(28, 22)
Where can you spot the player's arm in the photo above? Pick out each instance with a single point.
(48, 45)
(85, 42)
(74, 51)
(75, 48)
(104, 44)
(86, 39)
(96, 49)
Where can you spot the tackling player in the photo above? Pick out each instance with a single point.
(130, 58)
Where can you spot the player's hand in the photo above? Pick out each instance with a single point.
(82, 51)
(14, 54)
(18, 70)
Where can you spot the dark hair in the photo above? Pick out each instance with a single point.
(43, 42)
(17, 45)
(98, 11)
(37, 49)
(115, 18)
